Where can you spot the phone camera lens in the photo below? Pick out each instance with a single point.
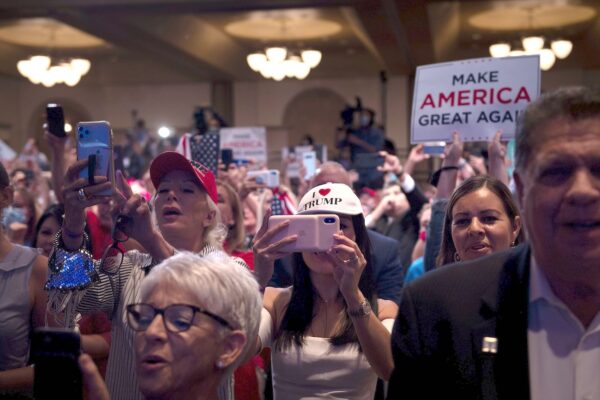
(329, 220)
(81, 136)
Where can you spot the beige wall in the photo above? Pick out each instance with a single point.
(171, 105)
(263, 103)
(260, 103)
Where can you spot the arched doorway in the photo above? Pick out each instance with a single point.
(314, 112)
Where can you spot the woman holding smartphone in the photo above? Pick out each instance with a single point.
(187, 219)
(325, 335)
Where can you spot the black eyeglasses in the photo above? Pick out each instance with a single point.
(112, 258)
(176, 317)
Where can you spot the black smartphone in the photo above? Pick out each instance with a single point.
(55, 354)
(226, 157)
(118, 157)
(55, 119)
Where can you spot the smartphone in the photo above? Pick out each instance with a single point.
(55, 119)
(434, 148)
(268, 177)
(226, 157)
(309, 160)
(118, 159)
(95, 138)
(55, 354)
(315, 231)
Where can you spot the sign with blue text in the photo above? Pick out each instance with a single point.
(475, 97)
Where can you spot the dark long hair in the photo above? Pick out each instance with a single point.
(300, 311)
(473, 184)
(57, 211)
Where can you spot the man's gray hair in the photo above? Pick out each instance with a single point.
(574, 103)
(219, 284)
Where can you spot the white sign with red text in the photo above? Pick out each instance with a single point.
(474, 97)
(247, 143)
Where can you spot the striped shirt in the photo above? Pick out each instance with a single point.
(121, 377)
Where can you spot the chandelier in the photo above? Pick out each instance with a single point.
(532, 45)
(278, 63)
(39, 69)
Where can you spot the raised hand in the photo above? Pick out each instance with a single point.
(134, 206)
(453, 151)
(391, 163)
(349, 264)
(416, 155)
(266, 251)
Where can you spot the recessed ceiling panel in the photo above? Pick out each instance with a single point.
(543, 16)
(47, 33)
(282, 29)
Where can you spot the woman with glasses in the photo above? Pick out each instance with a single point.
(196, 321)
(187, 219)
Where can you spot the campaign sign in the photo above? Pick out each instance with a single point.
(247, 143)
(474, 97)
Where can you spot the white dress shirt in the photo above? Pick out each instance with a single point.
(564, 356)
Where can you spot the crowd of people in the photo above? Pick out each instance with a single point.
(488, 284)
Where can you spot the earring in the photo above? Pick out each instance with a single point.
(220, 364)
(456, 257)
(513, 244)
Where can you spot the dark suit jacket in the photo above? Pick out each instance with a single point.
(387, 271)
(443, 318)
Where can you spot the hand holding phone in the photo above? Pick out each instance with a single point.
(270, 177)
(55, 119)
(309, 161)
(55, 353)
(95, 139)
(315, 231)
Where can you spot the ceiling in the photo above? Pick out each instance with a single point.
(179, 41)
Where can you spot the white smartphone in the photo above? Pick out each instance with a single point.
(268, 177)
(315, 231)
(435, 149)
(95, 139)
(309, 160)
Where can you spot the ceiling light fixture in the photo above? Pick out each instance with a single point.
(39, 69)
(278, 63)
(560, 49)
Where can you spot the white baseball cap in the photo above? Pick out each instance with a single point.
(335, 198)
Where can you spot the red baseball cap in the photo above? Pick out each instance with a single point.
(172, 161)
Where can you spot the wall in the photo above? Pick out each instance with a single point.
(262, 103)
(170, 105)
(256, 103)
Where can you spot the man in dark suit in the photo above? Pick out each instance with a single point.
(524, 323)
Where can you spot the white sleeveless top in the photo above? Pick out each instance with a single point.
(318, 370)
(15, 310)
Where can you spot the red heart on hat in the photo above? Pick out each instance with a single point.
(324, 192)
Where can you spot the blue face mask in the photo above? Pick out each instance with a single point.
(13, 214)
(364, 120)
